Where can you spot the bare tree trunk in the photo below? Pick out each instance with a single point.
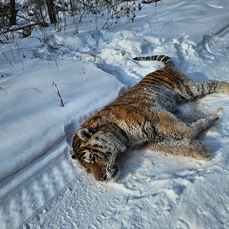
(13, 13)
(43, 24)
(51, 11)
(72, 13)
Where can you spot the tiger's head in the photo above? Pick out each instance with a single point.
(97, 152)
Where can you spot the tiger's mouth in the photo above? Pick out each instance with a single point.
(112, 174)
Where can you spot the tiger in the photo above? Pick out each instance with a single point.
(143, 117)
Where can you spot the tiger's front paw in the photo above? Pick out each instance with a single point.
(202, 152)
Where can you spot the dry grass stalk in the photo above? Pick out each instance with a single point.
(58, 93)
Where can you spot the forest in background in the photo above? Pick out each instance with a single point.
(22, 16)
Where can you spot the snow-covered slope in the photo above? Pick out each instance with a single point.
(40, 185)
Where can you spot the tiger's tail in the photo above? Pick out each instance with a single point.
(164, 59)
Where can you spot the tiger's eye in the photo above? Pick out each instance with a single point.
(88, 171)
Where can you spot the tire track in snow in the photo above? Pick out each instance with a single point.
(35, 185)
(74, 207)
(23, 201)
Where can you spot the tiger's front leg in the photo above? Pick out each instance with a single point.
(185, 147)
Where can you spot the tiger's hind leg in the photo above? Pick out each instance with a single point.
(169, 125)
(190, 90)
(185, 147)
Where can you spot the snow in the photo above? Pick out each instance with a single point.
(42, 187)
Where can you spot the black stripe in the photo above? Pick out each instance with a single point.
(211, 86)
(189, 92)
(97, 150)
(116, 127)
(202, 89)
(81, 155)
(183, 98)
(167, 59)
(166, 73)
(142, 128)
(164, 82)
(76, 143)
(146, 81)
(160, 57)
(122, 132)
(117, 103)
(173, 77)
(99, 157)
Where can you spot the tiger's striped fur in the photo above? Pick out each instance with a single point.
(143, 117)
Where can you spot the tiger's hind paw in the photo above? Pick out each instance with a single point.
(225, 87)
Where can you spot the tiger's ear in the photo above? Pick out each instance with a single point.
(84, 134)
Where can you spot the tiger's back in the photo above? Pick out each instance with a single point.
(142, 117)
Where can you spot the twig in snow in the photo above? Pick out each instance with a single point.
(56, 64)
(4, 90)
(3, 74)
(150, 1)
(150, 25)
(167, 24)
(58, 93)
(7, 58)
